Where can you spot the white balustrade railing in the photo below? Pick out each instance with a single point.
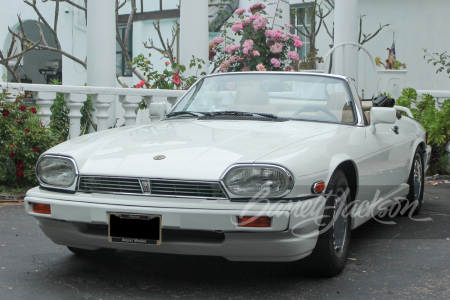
(158, 101)
(440, 96)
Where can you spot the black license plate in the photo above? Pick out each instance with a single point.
(134, 228)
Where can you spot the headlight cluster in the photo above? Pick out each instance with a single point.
(261, 181)
(56, 171)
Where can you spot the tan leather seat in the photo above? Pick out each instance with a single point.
(252, 99)
(337, 104)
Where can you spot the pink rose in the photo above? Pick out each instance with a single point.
(276, 48)
(275, 62)
(238, 26)
(240, 11)
(260, 67)
(255, 53)
(293, 55)
(140, 84)
(298, 43)
(176, 79)
(218, 40)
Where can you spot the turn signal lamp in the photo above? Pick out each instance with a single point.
(318, 187)
(42, 208)
(254, 221)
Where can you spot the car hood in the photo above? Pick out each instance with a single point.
(193, 149)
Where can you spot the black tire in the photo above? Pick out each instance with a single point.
(416, 181)
(330, 254)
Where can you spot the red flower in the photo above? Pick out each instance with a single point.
(167, 63)
(33, 110)
(20, 166)
(140, 84)
(176, 79)
(17, 161)
(12, 154)
(23, 108)
(10, 146)
(36, 149)
(5, 112)
(19, 173)
(27, 131)
(19, 121)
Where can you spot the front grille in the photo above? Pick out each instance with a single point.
(110, 185)
(179, 188)
(158, 187)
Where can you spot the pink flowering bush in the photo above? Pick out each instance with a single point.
(261, 48)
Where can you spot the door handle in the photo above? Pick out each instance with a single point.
(395, 129)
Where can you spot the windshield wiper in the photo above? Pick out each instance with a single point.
(243, 113)
(229, 112)
(190, 113)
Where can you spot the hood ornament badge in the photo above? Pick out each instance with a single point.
(159, 157)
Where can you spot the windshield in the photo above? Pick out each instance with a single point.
(296, 96)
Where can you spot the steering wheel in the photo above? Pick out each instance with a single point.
(315, 108)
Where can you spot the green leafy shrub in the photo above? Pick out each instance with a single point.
(436, 123)
(23, 137)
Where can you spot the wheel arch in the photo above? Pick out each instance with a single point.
(350, 170)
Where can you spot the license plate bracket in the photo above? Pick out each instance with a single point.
(134, 228)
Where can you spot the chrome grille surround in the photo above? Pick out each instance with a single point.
(158, 187)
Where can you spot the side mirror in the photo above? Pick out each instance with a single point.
(382, 115)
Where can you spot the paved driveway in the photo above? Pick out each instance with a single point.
(409, 260)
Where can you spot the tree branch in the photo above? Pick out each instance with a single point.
(71, 3)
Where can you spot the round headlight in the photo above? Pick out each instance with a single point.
(56, 171)
(264, 181)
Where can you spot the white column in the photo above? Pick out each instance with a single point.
(194, 32)
(101, 52)
(346, 30)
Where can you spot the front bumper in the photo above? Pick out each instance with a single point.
(203, 227)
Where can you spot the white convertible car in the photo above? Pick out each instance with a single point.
(250, 166)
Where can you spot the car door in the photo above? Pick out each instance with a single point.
(390, 151)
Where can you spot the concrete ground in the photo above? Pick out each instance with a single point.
(409, 260)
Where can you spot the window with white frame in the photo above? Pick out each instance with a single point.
(121, 62)
(301, 16)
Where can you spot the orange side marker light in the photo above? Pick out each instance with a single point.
(42, 208)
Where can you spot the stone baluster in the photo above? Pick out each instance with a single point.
(45, 100)
(75, 103)
(102, 107)
(172, 101)
(130, 104)
(11, 95)
(158, 111)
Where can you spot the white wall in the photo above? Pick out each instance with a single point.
(418, 24)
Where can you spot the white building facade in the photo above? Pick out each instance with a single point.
(417, 24)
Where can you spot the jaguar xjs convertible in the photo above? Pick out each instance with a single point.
(250, 166)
